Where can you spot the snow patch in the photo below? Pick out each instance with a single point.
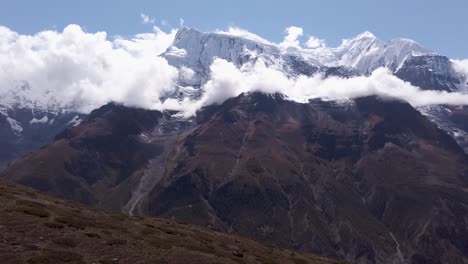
(43, 120)
(75, 121)
(15, 125)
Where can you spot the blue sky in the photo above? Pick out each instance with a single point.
(438, 25)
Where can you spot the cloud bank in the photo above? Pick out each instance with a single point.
(461, 66)
(86, 70)
(228, 81)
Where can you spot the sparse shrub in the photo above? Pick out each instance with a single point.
(120, 217)
(266, 260)
(168, 231)
(92, 235)
(159, 243)
(207, 249)
(108, 261)
(66, 242)
(117, 242)
(54, 225)
(148, 232)
(50, 256)
(203, 239)
(39, 212)
(29, 203)
(72, 222)
(300, 261)
(106, 232)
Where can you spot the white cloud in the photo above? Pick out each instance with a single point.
(228, 81)
(145, 19)
(87, 70)
(314, 42)
(181, 22)
(461, 66)
(151, 44)
(83, 69)
(186, 74)
(292, 37)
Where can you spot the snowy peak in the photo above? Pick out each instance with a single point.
(366, 35)
(366, 52)
(197, 50)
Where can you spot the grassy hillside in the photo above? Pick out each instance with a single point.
(37, 228)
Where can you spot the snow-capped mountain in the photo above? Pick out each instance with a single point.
(367, 53)
(193, 52)
(197, 50)
(364, 53)
(23, 130)
(29, 121)
(360, 55)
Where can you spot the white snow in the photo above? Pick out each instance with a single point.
(76, 120)
(43, 120)
(202, 48)
(15, 125)
(238, 32)
(364, 52)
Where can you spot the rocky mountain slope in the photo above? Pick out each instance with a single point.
(91, 160)
(37, 228)
(367, 181)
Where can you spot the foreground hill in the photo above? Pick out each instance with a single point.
(36, 228)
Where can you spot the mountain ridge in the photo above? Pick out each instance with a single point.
(323, 177)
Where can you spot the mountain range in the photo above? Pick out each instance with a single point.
(367, 180)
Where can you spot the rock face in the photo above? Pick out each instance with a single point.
(431, 72)
(369, 181)
(452, 119)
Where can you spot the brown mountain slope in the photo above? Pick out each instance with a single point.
(92, 163)
(372, 181)
(37, 228)
(369, 181)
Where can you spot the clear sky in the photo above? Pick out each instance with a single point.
(440, 25)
